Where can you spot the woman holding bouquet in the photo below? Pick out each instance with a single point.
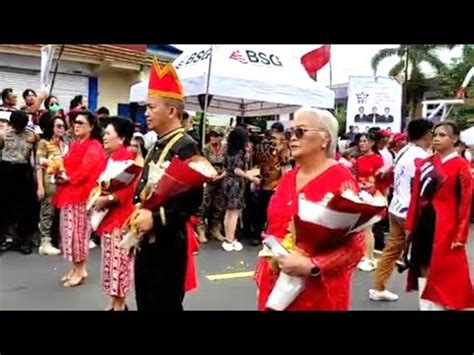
(116, 262)
(51, 146)
(82, 168)
(438, 221)
(326, 266)
(366, 167)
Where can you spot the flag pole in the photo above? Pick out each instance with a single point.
(206, 100)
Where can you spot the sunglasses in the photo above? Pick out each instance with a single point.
(80, 123)
(300, 132)
(60, 125)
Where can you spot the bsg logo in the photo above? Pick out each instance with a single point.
(256, 57)
(263, 58)
(198, 56)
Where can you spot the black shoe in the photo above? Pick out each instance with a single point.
(255, 242)
(25, 249)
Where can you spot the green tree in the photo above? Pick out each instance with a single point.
(450, 80)
(416, 55)
(340, 114)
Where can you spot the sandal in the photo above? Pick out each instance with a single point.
(79, 282)
(67, 276)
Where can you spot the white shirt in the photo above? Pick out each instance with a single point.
(387, 158)
(404, 172)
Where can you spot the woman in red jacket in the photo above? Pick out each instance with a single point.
(438, 221)
(116, 262)
(326, 266)
(82, 164)
(366, 167)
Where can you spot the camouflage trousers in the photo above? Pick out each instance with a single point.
(211, 209)
(47, 215)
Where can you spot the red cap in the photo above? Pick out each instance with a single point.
(384, 133)
(399, 137)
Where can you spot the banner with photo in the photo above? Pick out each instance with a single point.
(374, 102)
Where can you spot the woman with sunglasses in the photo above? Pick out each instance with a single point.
(82, 164)
(438, 225)
(326, 267)
(366, 168)
(51, 145)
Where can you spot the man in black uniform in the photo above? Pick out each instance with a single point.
(161, 259)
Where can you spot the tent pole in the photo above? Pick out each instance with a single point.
(206, 101)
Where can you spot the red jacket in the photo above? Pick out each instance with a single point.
(83, 164)
(123, 207)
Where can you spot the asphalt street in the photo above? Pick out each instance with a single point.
(32, 283)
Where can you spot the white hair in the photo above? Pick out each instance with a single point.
(325, 121)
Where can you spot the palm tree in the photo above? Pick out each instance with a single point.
(450, 80)
(416, 54)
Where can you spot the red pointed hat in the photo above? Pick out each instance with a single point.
(164, 82)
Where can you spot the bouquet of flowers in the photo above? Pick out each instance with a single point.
(166, 182)
(116, 176)
(338, 216)
(287, 287)
(54, 167)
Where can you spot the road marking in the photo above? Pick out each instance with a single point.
(228, 276)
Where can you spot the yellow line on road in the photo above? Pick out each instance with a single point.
(228, 276)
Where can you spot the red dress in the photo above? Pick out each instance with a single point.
(117, 263)
(331, 290)
(448, 281)
(83, 164)
(123, 208)
(366, 167)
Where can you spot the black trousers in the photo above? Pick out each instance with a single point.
(18, 201)
(160, 272)
(263, 199)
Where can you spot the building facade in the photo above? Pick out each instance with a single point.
(103, 73)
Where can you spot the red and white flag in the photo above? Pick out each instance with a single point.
(316, 59)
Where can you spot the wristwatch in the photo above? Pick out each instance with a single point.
(315, 271)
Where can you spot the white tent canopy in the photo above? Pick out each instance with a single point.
(244, 81)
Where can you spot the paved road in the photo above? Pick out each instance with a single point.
(31, 283)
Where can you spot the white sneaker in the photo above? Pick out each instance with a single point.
(385, 295)
(367, 265)
(48, 249)
(234, 246)
(237, 246)
(227, 246)
(92, 245)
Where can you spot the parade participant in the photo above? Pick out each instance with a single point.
(213, 193)
(366, 167)
(161, 259)
(18, 185)
(49, 147)
(438, 221)
(82, 166)
(328, 270)
(272, 158)
(117, 263)
(233, 185)
(420, 135)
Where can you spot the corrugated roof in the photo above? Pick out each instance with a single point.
(96, 51)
